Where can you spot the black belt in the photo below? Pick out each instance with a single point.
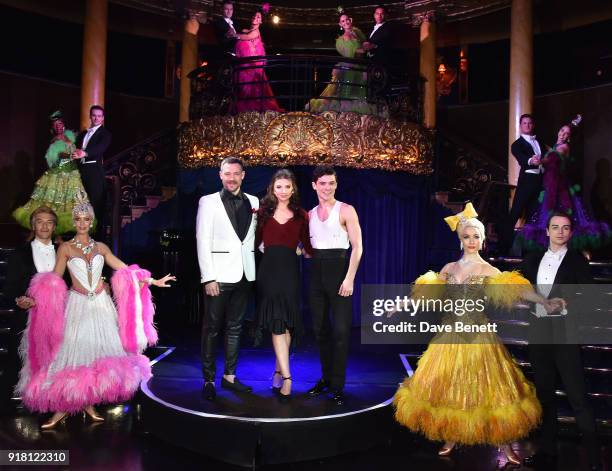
(329, 253)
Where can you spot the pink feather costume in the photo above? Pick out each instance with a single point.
(79, 349)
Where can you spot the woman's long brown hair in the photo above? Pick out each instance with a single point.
(270, 202)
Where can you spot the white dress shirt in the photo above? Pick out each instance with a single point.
(230, 23)
(531, 139)
(43, 255)
(376, 26)
(547, 271)
(90, 132)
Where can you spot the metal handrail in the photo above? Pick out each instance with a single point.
(297, 78)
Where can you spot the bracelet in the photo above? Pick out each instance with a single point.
(149, 281)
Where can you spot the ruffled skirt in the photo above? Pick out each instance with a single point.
(56, 188)
(468, 393)
(278, 293)
(90, 367)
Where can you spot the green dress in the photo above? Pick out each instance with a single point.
(347, 91)
(57, 187)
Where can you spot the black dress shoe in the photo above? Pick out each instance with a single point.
(235, 386)
(542, 461)
(337, 396)
(208, 391)
(318, 388)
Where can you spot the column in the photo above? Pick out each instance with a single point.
(427, 66)
(93, 72)
(521, 75)
(189, 61)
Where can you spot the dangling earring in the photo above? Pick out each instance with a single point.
(461, 245)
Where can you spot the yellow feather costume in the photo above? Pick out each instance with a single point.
(469, 393)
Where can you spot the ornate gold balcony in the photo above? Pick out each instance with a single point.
(297, 137)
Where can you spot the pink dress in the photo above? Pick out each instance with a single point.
(254, 92)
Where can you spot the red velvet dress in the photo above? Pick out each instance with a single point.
(278, 276)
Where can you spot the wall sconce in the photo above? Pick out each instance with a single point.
(444, 79)
(463, 75)
(463, 62)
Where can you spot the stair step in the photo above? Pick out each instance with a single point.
(153, 201)
(138, 211)
(5, 252)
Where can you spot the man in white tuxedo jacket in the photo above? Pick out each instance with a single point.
(225, 232)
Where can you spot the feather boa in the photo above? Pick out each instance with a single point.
(57, 147)
(428, 286)
(506, 288)
(46, 320)
(134, 303)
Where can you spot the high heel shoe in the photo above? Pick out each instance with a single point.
(446, 449)
(276, 389)
(510, 455)
(91, 412)
(284, 398)
(53, 422)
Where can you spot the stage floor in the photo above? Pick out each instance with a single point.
(254, 428)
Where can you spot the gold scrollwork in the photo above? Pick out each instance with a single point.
(302, 138)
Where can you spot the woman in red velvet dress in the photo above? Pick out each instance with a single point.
(281, 226)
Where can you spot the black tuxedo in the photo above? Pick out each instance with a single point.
(383, 53)
(20, 271)
(549, 357)
(527, 188)
(221, 29)
(92, 170)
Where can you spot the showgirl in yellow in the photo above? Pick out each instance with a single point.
(470, 393)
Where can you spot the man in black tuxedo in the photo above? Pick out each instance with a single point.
(550, 271)
(28, 259)
(527, 150)
(225, 29)
(379, 45)
(91, 145)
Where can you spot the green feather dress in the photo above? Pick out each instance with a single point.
(57, 187)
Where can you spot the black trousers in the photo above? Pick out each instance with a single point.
(528, 189)
(332, 329)
(546, 360)
(94, 182)
(227, 310)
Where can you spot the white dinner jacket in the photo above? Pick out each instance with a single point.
(222, 256)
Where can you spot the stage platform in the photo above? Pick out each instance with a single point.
(252, 429)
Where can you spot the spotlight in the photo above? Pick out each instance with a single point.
(276, 19)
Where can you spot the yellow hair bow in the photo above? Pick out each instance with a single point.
(467, 213)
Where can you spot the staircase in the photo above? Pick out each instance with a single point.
(12, 322)
(146, 176)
